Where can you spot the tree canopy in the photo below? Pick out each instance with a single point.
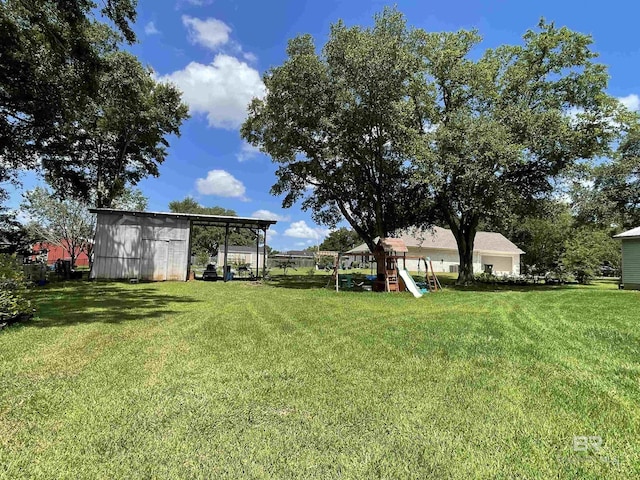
(51, 57)
(608, 195)
(340, 125)
(119, 137)
(67, 223)
(587, 250)
(505, 126)
(341, 240)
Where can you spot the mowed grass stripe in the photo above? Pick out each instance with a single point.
(207, 380)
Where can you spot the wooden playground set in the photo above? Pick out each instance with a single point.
(389, 276)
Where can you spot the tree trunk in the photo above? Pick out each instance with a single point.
(464, 230)
(72, 253)
(465, 250)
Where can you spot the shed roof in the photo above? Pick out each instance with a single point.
(211, 220)
(443, 239)
(633, 233)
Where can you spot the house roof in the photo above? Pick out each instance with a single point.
(443, 239)
(633, 233)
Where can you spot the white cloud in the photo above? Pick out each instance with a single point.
(302, 230)
(222, 90)
(272, 232)
(268, 215)
(222, 184)
(632, 102)
(250, 57)
(247, 151)
(210, 33)
(150, 29)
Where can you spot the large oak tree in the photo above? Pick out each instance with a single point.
(341, 125)
(504, 126)
(50, 60)
(119, 137)
(479, 134)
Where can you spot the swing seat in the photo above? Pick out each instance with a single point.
(346, 280)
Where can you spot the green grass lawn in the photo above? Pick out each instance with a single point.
(238, 380)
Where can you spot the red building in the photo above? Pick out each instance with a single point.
(55, 252)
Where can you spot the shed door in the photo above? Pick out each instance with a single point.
(154, 259)
(177, 260)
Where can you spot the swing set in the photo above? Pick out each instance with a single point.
(387, 253)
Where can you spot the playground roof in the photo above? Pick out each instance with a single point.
(393, 245)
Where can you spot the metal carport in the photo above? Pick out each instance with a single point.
(120, 236)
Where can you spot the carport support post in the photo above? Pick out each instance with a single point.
(264, 254)
(257, 232)
(189, 267)
(226, 251)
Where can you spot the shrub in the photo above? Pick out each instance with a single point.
(505, 279)
(587, 250)
(202, 259)
(486, 278)
(13, 289)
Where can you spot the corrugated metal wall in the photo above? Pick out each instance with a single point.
(631, 262)
(148, 248)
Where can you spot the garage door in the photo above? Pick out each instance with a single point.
(500, 264)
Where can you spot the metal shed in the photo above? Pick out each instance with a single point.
(156, 245)
(630, 278)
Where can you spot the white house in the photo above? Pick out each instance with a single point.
(241, 255)
(492, 251)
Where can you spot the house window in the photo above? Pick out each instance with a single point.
(488, 268)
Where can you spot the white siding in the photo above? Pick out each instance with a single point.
(443, 261)
(631, 262)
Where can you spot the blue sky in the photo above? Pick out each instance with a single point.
(217, 50)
